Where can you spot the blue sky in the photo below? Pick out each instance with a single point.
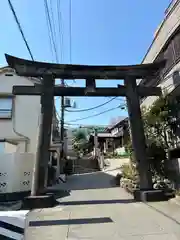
(104, 32)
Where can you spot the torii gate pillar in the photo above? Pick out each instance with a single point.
(137, 132)
(40, 175)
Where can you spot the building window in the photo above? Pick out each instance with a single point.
(5, 107)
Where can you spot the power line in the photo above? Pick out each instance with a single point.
(53, 23)
(92, 108)
(60, 28)
(51, 29)
(70, 34)
(83, 125)
(20, 29)
(117, 98)
(49, 35)
(70, 31)
(95, 115)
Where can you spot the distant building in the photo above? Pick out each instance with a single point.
(114, 137)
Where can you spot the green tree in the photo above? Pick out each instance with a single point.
(80, 141)
(161, 122)
(162, 128)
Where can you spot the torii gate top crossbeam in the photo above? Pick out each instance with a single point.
(67, 71)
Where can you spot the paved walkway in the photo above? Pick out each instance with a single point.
(96, 210)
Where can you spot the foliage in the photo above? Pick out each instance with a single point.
(178, 192)
(116, 155)
(157, 157)
(161, 127)
(161, 122)
(80, 134)
(129, 150)
(80, 141)
(91, 129)
(129, 171)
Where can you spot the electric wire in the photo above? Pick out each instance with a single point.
(79, 119)
(82, 125)
(20, 29)
(53, 23)
(60, 29)
(49, 35)
(51, 29)
(95, 115)
(70, 31)
(70, 34)
(92, 108)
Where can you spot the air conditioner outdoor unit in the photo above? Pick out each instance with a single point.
(67, 102)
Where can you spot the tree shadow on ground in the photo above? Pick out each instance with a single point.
(96, 180)
(92, 181)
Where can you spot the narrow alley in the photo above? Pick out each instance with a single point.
(95, 209)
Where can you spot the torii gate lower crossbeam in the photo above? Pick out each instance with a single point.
(130, 90)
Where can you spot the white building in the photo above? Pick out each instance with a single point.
(19, 115)
(19, 131)
(166, 45)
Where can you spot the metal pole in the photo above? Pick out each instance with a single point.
(42, 157)
(95, 143)
(62, 130)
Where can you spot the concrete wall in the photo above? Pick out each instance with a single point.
(26, 115)
(18, 177)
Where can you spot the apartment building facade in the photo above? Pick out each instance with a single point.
(165, 45)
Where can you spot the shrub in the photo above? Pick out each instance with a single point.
(129, 172)
(178, 192)
(157, 157)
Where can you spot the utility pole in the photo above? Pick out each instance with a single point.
(62, 130)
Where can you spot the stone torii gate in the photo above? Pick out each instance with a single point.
(48, 72)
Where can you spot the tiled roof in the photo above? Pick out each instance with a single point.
(105, 135)
(7, 69)
(117, 121)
